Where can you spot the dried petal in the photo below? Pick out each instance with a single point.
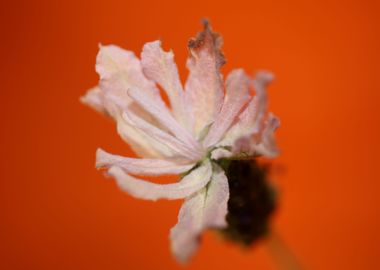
(204, 209)
(204, 86)
(237, 93)
(175, 145)
(160, 112)
(159, 66)
(140, 166)
(138, 188)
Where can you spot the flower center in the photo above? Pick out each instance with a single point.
(252, 200)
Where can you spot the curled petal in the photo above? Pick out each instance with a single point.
(175, 145)
(119, 70)
(159, 111)
(237, 93)
(159, 66)
(142, 144)
(268, 146)
(140, 166)
(219, 153)
(204, 86)
(251, 120)
(204, 209)
(260, 83)
(189, 184)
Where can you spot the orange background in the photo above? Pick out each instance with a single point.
(58, 212)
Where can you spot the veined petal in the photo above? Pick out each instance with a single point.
(251, 120)
(204, 209)
(190, 184)
(140, 166)
(119, 70)
(237, 93)
(204, 86)
(162, 114)
(177, 146)
(142, 144)
(159, 66)
(139, 142)
(216, 209)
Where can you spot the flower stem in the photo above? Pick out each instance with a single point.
(281, 254)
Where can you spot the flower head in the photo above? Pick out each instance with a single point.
(207, 120)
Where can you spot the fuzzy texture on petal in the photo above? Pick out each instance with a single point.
(140, 166)
(237, 94)
(138, 188)
(159, 66)
(204, 209)
(204, 86)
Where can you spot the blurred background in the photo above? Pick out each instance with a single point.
(58, 212)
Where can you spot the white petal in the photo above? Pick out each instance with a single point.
(190, 184)
(119, 70)
(94, 98)
(164, 117)
(237, 94)
(140, 166)
(175, 145)
(204, 209)
(142, 144)
(204, 86)
(219, 153)
(159, 66)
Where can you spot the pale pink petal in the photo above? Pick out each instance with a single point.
(94, 99)
(142, 144)
(204, 209)
(237, 94)
(177, 146)
(204, 86)
(216, 209)
(251, 120)
(261, 82)
(140, 166)
(159, 66)
(119, 70)
(164, 117)
(268, 146)
(138, 188)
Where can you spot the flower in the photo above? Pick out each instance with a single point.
(207, 120)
